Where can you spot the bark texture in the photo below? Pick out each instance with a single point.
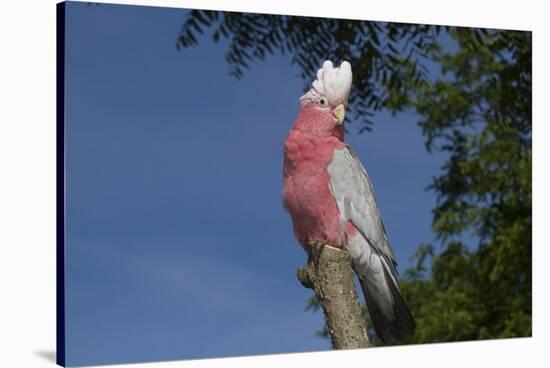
(329, 273)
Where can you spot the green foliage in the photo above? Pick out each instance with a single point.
(474, 106)
(479, 112)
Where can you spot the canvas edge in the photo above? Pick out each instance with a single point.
(60, 184)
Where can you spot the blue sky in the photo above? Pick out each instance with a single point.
(177, 243)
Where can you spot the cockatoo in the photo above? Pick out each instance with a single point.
(330, 198)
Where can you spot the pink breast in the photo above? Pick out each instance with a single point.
(306, 192)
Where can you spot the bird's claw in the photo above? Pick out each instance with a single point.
(314, 250)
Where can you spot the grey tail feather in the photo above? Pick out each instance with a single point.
(403, 324)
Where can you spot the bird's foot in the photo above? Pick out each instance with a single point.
(314, 252)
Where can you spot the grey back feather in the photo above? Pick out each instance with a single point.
(354, 194)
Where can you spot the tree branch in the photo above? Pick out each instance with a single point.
(329, 273)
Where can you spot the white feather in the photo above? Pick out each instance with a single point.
(333, 83)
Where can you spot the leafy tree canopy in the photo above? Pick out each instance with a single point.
(382, 54)
(474, 105)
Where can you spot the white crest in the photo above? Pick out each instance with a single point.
(332, 83)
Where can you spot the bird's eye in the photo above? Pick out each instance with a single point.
(323, 101)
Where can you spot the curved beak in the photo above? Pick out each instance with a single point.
(339, 113)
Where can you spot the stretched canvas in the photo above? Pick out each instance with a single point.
(210, 180)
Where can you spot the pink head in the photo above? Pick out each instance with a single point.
(324, 105)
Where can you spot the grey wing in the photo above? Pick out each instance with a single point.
(373, 257)
(354, 194)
